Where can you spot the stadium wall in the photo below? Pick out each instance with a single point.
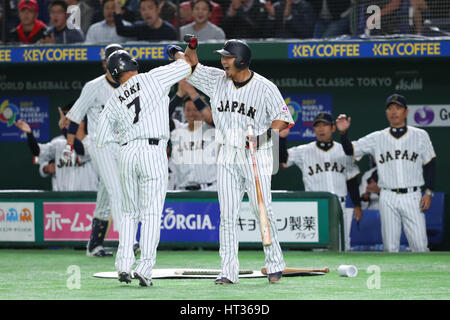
(351, 76)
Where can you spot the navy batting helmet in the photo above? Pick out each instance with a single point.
(110, 48)
(238, 49)
(119, 62)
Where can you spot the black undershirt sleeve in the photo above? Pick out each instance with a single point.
(429, 173)
(283, 154)
(346, 144)
(33, 145)
(353, 190)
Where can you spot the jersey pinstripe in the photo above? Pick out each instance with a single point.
(69, 177)
(194, 155)
(137, 111)
(93, 97)
(323, 170)
(399, 161)
(257, 103)
(143, 97)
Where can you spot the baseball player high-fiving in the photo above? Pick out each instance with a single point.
(406, 161)
(325, 167)
(239, 98)
(93, 97)
(139, 111)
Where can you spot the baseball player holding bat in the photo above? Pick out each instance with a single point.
(405, 162)
(325, 167)
(92, 99)
(240, 98)
(139, 111)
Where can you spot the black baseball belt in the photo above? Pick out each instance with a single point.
(154, 142)
(197, 186)
(404, 190)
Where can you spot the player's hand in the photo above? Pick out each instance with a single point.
(425, 202)
(172, 50)
(343, 123)
(373, 187)
(365, 196)
(191, 40)
(63, 121)
(251, 140)
(357, 214)
(69, 155)
(188, 89)
(50, 168)
(22, 125)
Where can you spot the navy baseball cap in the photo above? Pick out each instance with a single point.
(398, 99)
(324, 117)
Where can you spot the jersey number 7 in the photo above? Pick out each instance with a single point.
(137, 108)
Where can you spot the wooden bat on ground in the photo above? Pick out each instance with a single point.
(263, 221)
(292, 271)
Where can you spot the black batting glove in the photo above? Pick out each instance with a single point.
(171, 50)
(191, 40)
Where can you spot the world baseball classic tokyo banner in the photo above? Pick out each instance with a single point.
(192, 221)
(17, 221)
(304, 108)
(432, 115)
(32, 110)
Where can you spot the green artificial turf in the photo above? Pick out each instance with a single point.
(43, 274)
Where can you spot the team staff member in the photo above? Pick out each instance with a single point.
(92, 99)
(404, 155)
(241, 97)
(139, 112)
(78, 175)
(194, 151)
(325, 167)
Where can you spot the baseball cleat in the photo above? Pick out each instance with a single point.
(143, 281)
(124, 277)
(98, 252)
(223, 280)
(274, 277)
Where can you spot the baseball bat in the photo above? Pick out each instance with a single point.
(263, 221)
(297, 270)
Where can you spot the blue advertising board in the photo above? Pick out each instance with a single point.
(32, 110)
(304, 108)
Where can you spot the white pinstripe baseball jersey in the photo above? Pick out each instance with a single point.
(399, 161)
(73, 177)
(257, 103)
(92, 99)
(323, 170)
(143, 97)
(194, 154)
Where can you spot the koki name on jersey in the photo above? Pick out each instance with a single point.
(235, 107)
(129, 91)
(326, 167)
(398, 155)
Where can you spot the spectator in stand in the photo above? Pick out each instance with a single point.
(186, 13)
(105, 30)
(201, 27)
(30, 30)
(59, 32)
(249, 19)
(86, 13)
(152, 28)
(294, 19)
(168, 11)
(333, 17)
